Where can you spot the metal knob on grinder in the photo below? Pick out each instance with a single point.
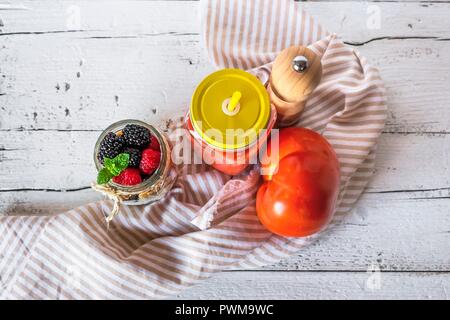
(300, 63)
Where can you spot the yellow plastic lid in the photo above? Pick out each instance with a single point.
(229, 108)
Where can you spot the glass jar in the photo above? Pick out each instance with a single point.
(154, 187)
(231, 162)
(230, 119)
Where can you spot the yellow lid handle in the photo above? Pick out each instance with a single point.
(234, 101)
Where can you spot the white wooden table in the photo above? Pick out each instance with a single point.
(70, 68)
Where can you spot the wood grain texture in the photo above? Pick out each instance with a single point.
(61, 83)
(51, 96)
(84, 80)
(64, 160)
(312, 286)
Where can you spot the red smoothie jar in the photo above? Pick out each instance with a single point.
(229, 120)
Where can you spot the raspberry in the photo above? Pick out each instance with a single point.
(128, 177)
(135, 157)
(154, 144)
(150, 161)
(136, 136)
(110, 147)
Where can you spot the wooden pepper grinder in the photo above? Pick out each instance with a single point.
(296, 72)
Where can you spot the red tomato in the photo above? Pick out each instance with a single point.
(300, 192)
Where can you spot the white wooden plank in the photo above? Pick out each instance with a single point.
(399, 231)
(95, 102)
(134, 78)
(411, 162)
(125, 17)
(356, 21)
(44, 202)
(321, 285)
(152, 63)
(154, 84)
(396, 231)
(64, 160)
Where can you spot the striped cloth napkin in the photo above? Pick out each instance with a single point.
(207, 223)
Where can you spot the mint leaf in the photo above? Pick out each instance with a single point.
(117, 164)
(121, 161)
(104, 176)
(108, 163)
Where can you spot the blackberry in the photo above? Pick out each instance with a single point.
(136, 136)
(110, 147)
(135, 156)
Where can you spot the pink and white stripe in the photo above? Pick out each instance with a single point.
(207, 223)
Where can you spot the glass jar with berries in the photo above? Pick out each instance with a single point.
(133, 163)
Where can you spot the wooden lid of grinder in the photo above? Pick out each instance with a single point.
(296, 72)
